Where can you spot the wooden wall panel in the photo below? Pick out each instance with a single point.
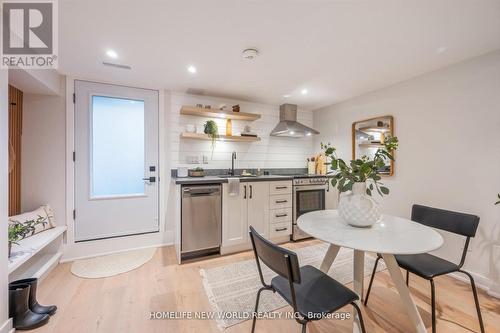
(15, 133)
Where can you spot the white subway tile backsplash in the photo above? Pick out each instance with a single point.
(270, 152)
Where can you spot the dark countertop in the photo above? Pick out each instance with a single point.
(220, 180)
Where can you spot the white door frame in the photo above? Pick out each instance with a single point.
(73, 250)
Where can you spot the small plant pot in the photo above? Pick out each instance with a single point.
(194, 173)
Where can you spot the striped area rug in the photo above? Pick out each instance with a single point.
(233, 288)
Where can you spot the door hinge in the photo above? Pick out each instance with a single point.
(74, 156)
(74, 214)
(74, 98)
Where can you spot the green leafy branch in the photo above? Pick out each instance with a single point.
(18, 230)
(362, 169)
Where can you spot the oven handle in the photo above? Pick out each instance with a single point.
(310, 187)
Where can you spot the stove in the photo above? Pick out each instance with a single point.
(309, 194)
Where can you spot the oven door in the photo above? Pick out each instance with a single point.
(306, 199)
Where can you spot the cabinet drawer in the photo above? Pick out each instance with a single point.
(280, 215)
(280, 229)
(280, 201)
(282, 187)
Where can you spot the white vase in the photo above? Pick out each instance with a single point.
(358, 208)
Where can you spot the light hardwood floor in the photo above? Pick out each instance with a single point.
(123, 303)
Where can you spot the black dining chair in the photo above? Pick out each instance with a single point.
(310, 292)
(428, 266)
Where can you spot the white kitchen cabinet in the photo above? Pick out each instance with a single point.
(280, 229)
(280, 201)
(280, 214)
(258, 207)
(267, 206)
(234, 216)
(281, 187)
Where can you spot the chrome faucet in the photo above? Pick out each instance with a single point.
(233, 157)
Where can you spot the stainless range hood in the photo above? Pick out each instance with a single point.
(288, 125)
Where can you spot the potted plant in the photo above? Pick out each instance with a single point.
(361, 177)
(196, 172)
(18, 230)
(210, 128)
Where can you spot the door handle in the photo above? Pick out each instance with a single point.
(281, 201)
(150, 179)
(281, 229)
(251, 191)
(281, 215)
(281, 187)
(245, 194)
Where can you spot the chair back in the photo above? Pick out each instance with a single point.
(458, 223)
(282, 261)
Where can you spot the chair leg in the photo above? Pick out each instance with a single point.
(476, 300)
(304, 329)
(371, 280)
(407, 278)
(433, 305)
(257, 307)
(360, 315)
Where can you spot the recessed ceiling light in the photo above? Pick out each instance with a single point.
(192, 69)
(250, 54)
(304, 91)
(112, 54)
(292, 132)
(308, 133)
(287, 95)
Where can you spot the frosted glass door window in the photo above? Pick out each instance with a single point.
(117, 149)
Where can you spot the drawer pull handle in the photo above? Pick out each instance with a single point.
(281, 187)
(281, 215)
(281, 201)
(281, 229)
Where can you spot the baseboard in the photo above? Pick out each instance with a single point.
(481, 282)
(114, 252)
(91, 249)
(7, 327)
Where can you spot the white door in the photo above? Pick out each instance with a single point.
(234, 216)
(258, 207)
(116, 161)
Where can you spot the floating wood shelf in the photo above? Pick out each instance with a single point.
(202, 136)
(371, 145)
(214, 113)
(375, 129)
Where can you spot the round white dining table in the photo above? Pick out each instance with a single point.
(391, 235)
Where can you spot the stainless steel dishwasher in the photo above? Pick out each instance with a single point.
(201, 220)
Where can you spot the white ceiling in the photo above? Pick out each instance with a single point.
(335, 49)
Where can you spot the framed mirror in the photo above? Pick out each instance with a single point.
(369, 135)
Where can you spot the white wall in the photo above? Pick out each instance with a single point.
(43, 168)
(4, 129)
(270, 152)
(448, 124)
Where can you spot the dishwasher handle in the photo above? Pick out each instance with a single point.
(201, 191)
